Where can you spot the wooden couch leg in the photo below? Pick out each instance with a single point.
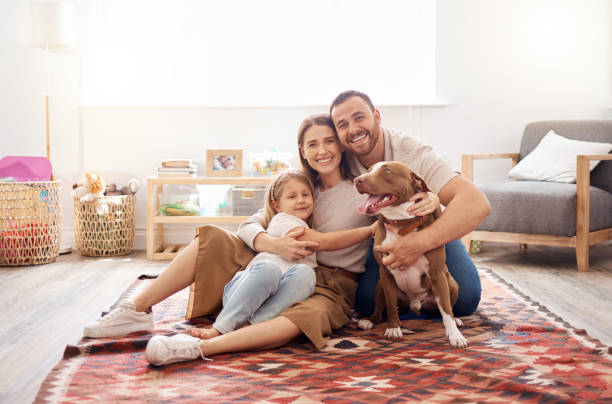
(582, 255)
(583, 214)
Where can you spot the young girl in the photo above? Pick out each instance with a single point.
(270, 283)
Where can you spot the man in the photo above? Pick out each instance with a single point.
(359, 129)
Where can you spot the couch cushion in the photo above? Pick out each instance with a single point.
(538, 207)
(586, 130)
(554, 159)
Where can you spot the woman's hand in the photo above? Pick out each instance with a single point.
(292, 249)
(373, 227)
(288, 246)
(425, 203)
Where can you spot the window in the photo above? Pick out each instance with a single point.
(258, 52)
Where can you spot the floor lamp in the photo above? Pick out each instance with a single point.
(53, 28)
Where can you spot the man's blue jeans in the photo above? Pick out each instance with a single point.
(460, 266)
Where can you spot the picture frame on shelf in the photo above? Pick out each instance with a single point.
(224, 163)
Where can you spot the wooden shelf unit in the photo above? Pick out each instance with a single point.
(156, 249)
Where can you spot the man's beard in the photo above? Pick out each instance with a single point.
(373, 134)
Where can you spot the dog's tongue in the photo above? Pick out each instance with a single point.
(364, 207)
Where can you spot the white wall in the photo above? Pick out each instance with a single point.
(501, 64)
(504, 63)
(23, 85)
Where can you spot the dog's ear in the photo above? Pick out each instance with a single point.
(419, 184)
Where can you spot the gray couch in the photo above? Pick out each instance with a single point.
(550, 213)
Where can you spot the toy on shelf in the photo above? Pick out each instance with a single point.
(269, 163)
(182, 208)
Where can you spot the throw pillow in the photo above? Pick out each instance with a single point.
(554, 159)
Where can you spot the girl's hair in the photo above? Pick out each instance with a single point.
(275, 190)
(320, 120)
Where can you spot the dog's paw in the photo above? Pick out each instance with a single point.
(457, 340)
(365, 324)
(415, 307)
(458, 322)
(393, 333)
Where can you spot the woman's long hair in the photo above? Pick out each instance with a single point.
(320, 120)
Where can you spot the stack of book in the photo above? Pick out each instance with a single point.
(177, 168)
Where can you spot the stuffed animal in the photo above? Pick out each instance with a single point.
(131, 188)
(90, 187)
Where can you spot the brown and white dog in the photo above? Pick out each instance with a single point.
(427, 282)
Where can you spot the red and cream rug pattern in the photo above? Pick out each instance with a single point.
(517, 352)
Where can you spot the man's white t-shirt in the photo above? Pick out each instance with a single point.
(417, 155)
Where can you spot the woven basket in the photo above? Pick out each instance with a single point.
(105, 227)
(30, 222)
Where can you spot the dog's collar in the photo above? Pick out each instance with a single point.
(406, 225)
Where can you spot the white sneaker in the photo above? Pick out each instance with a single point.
(162, 350)
(122, 320)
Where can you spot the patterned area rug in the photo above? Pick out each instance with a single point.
(517, 352)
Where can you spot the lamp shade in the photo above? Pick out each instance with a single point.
(53, 26)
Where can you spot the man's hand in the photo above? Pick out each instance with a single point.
(292, 249)
(424, 203)
(403, 252)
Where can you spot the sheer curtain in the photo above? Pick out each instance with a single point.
(258, 52)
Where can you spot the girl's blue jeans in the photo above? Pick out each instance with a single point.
(262, 292)
(460, 266)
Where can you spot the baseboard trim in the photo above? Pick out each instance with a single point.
(175, 234)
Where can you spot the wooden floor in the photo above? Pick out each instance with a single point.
(45, 307)
(548, 275)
